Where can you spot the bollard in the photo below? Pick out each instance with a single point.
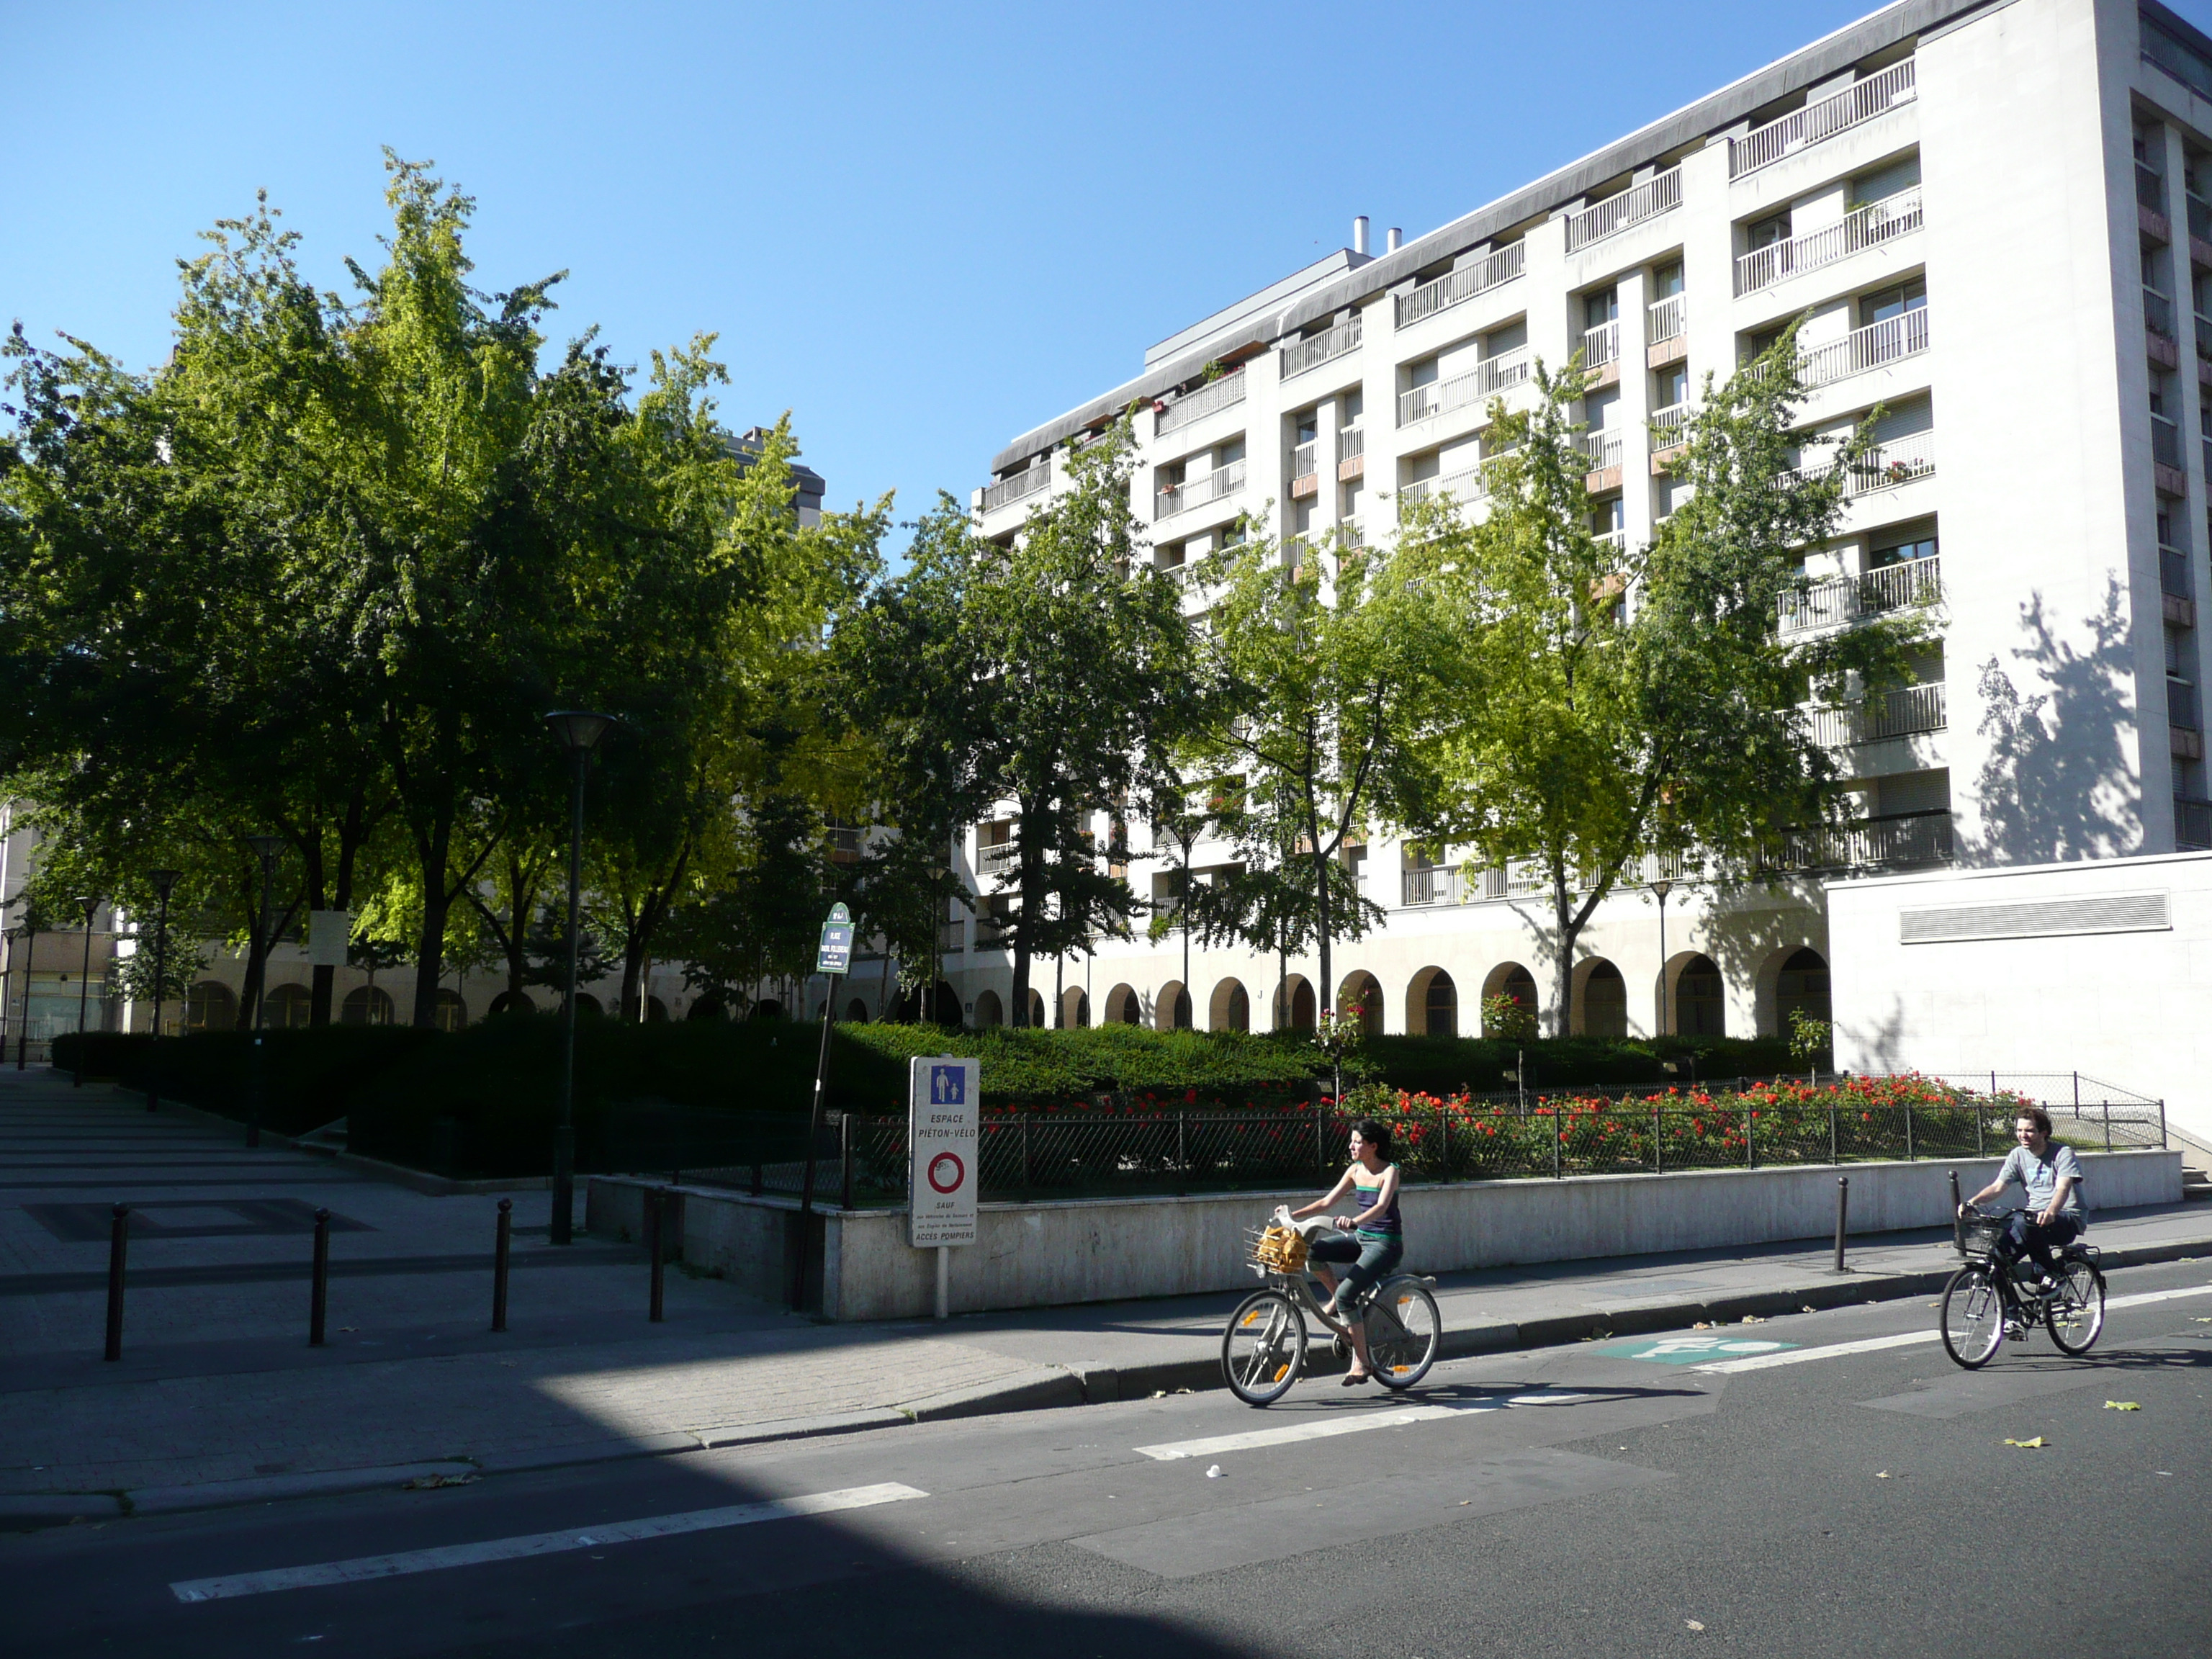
(118, 1243)
(1843, 1217)
(318, 1305)
(845, 1157)
(499, 1253)
(652, 1211)
(1958, 1221)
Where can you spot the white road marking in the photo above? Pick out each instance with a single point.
(1875, 1344)
(1320, 1428)
(543, 1543)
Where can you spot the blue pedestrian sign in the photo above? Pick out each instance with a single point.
(835, 956)
(948, 1085)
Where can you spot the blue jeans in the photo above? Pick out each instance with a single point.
(1371, 1258)
(2024, 1233)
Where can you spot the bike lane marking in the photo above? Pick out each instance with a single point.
(1320, 1428)
(2143, 1298)
(1688, 1350)
(365, 1567)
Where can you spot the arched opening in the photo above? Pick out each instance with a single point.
(989, 1010)
(1802, 986)
(1036, 1007)
(1121, 1007)
(1172, 1009)
(656, 1012)
(449, 1013)
(365, 1005)
(590, 1007)
(1361, 997)
(702, 1008)
(1433, 1004)
(765, 1008)
(1075, 1008)
(1229, 1007)
(212, 1005)
(1602, 995)
(288, 1007)
(1517, 985)
(1700, 999)
(856, 1012)
(1295, 1004)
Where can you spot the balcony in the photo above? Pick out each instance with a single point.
(1669, 428)
(1900, 461)
(1223, 393)
(1657, 195)
(1667, 318)
(1894, 841)
(1601, 449)
(1454, 287)
(1302, 356)
(1845, 599)
(2200, 228)
(1900, 712)
(1486, 379)
(1351, 454)
(2192, 823)
(1435, 885)
(1872, 226)
(1601, 345)
(1171, 499)
(2158, 322)
(1876, 346)
(1465, 486)
(997, 860)
(2165, 442)
(1021, 485)
(2150, 204)
(1854, 106)
(1611, 586)
(1305, 469)
(951, 937)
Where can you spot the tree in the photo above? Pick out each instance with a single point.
(1605, 702)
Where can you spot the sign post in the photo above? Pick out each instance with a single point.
(833, 958)
(943, 1113)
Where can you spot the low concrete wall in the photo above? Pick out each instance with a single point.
(1029, 1255)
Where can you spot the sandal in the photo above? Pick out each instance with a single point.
(1353, 1379)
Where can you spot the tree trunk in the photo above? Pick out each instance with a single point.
(430, 942)
(1563, 976)
(1325, 995)
(352, 832)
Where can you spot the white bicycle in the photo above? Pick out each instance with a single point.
(1263, 1352)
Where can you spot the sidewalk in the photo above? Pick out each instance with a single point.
(218, 1400)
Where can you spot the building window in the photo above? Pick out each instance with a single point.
(1880, 307)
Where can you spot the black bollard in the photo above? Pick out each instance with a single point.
(652, 1211)
(1843, 1217)
(318, 1305)
(119, 1244)
(1958, 1221)
(499, 1257)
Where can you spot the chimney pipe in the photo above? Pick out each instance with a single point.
(1360, 234)
(1394, 241)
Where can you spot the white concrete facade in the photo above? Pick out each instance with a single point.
(1992, 216)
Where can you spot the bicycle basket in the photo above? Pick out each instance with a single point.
(1979, 1238)
(1279, 1249)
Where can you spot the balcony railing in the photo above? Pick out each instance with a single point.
(1903, 838)
(2200, 216)
(1846, 598)
(1900, 461)
(1443, 883)
(1896, 713)
(2150, 188)
(1669, 425)
(992, 860)
(1601, 344)
(1305, 459)
(1486, 379)
(1465, 486)
(1464, 284)
(2165, 442)
(1172, 499)
(1665, 319)
(1876, 346)
(1618, 541)
(2181, 708)
(1601, 449)
(1647, 200)
(1871, 226)
(1220, 394)
(2174, 572)
(1312, 353)
(2192, 822)
(1021, 485)
(1854, 105)
(2158, 313)
(1350, 443)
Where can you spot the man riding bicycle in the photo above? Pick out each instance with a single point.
(1372, 1240)
(2051, 1177)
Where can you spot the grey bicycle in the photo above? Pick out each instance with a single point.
(1263, 1350)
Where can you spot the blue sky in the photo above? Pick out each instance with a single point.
(922, 229)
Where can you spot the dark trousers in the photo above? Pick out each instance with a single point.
(2024, 1233)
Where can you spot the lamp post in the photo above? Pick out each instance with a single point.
(29, 935)
(579, 733)
(90, 907)
(265, 848)
(165, 882)
(1660, 889)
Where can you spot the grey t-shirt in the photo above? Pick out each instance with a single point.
(2040, 1176)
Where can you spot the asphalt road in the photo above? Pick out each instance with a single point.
(1570, 1501)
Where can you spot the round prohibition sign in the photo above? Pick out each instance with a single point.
(947, 1172)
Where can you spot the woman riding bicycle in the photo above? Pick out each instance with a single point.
(1373, 1240)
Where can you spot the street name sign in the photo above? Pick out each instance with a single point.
(944, 1114)
(835, 956)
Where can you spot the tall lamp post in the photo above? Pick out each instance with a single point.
(579, 733)
(29, 935)
(264, 848)
(1660, 889)
(164, 883)
(91, 907)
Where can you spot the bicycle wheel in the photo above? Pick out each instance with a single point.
(1403, 1332)
(1264, 1347)
(2075, 1314)
(1973, 1317)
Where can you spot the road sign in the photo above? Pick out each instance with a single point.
(943, 1113)
(836, 953)
(1689, 1350)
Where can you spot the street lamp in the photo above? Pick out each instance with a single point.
(265, 847)
(30, 934)
(579, 733)
(90, 907)
(1660, 889)
(165, 882)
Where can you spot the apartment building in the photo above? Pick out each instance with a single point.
(1991, 216)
